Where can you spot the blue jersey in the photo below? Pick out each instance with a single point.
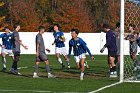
(79, 47)
(58, 35)
(111, 41)
(7, 40)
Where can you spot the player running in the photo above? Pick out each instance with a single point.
(79, 49)
(112, 49)
(6, 47)
(40, 53)
(60, 46)
(16, 49)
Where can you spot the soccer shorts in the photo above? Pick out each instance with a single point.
(78, 58)
(112, 53)
(7, 51)
(42, 57)
(61, 50)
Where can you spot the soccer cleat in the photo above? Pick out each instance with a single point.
(15, 72)
(68, 66)
(35, 75)
(51, 76)
(3, 70)
(81, 78)
(86, 64)
(63, 66)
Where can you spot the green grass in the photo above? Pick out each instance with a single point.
(66, 81)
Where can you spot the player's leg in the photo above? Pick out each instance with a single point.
(10, 52)
(58, 52)
(64, 52)
(35, 75)
(14, 65)
(3, 54)
(113, 71)
(44, 58)
(82, 68)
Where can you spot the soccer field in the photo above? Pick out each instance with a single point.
(66, 81)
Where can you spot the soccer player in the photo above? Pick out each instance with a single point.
(132, 37)
(112, 49)
(79, 49)
(60, 46)
(6, 47)
(16, 49)
(117, 30)
(40, 53)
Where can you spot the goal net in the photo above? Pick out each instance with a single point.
(132, 16)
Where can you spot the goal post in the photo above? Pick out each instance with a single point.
(121, 41)
(129, 14)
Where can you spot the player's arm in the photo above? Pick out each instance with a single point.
(70, 49)
(87, 49)
(1, 35)
(37, 49)
(62, 38)
(19, 41)
(135, 38)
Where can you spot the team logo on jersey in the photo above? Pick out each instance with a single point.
(78, 44)
(9, 37)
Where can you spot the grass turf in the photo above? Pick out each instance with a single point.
(66, 81)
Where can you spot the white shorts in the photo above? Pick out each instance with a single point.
(78, 58)
(61, 51)
(6, 51)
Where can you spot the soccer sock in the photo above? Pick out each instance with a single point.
(136, 63)
(14, 66)
(82, 74)
(36, 69)
(60, 61)
(48, 68)
(111, 70)
(3, 62)
(114, 68)
(68, 63)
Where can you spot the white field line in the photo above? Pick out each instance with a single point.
(37, 91)
(105, 87)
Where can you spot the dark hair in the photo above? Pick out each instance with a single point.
(41, 27)
(117, 24)
(105, 25)
(6, 28)
(75, 30)
(16, 25)
(132, 25)
(57, 25)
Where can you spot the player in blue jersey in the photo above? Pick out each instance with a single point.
(112, 49)
(60, 46)
(6, 47)
(79, 49)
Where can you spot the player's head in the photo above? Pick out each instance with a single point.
(17, 27)
(118, 27)
(132, 27)
(74, 33)
(56, 27)
(7, 29)
(41, 29)
(106, 27)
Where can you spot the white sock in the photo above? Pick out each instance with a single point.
(35, 73)
(82, 74)
(4, 62)
(59, 60)
(49, 73)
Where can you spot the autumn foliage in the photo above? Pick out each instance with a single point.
(86, 15)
